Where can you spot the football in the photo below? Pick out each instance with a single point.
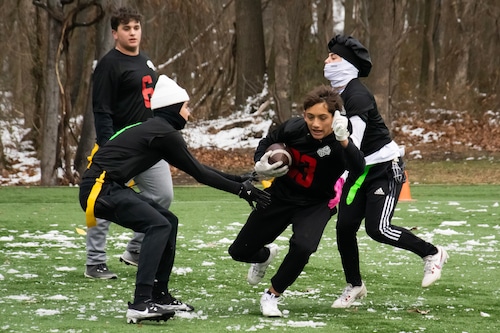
(280, 152)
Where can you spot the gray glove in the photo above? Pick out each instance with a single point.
(263, 167)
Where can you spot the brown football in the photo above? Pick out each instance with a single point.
(280, 153)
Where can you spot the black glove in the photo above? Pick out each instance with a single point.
(251, 176)
(250, 193)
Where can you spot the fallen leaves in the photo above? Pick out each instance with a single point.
(416, 310)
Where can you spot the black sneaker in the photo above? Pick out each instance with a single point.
(168, 302)
(99, 271)
(147, 311)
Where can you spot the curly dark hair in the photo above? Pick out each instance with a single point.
(324, 94)
(124, 15)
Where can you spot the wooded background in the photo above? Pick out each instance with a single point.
(241, 54)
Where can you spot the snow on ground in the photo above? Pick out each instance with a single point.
(240, 130)
(485, 248)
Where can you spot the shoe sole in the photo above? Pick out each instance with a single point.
(128, 262)
(100, 277)
(176, 308)
(360, 296)
(163, 317)
(272, 314)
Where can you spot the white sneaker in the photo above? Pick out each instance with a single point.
(269, 305)
(258, 270)
(433, 266)
(349, 295)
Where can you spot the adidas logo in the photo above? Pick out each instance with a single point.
(379, 191)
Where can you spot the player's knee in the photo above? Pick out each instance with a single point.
(237, 253)
(163, 200)
(345, 230)
(375, 234)
(162, 229)
(302, 252)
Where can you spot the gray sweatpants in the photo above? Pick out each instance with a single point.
(154, 183)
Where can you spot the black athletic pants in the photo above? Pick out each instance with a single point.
(374, 201)
(265, 225)
(131, 210)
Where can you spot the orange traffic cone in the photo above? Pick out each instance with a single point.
(405, 194)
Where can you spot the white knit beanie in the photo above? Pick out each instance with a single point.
(167, 92)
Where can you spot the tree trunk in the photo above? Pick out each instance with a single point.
(325, 22)
(428, 66)
(250, 54)
(386, 34)
(104, 43)
(48, 162)
(282, 70)
(349, 23)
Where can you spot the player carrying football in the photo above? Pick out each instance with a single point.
(300, 194)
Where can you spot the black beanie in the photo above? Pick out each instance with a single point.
(353, 51)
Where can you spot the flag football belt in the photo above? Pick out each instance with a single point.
(92, 153)
(357, 184)
(130, 183)
(94, 193)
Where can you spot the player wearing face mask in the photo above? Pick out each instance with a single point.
(373, 195)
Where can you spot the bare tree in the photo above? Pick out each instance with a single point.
(104, 42)
(427, 74)
(48, 162)
(282, 62)
(250, 54)
(386, 31)
(56, 147)
(446, 53)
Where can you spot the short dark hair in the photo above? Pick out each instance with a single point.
(324, 94)
(124, 15)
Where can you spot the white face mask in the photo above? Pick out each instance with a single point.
(340, 73)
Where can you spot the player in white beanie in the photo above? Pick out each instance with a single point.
(104, 194)
(167, 92)
(167, 101)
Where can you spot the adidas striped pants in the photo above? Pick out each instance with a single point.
(375, 202)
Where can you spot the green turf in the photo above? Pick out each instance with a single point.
(42, 257)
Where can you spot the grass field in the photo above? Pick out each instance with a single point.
(42, 257)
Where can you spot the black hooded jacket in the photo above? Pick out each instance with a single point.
(138, 147)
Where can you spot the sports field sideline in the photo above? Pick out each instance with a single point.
(42, 258)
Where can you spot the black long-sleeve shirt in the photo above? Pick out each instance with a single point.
(138, 147)
(317, 164)
(122, 88)
(359, 101)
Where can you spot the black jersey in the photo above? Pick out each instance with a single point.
(359, 101)
(122, 88)
(317, 164)
(138, 147)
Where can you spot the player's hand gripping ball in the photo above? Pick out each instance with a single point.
(275, 161)
(280, 153)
